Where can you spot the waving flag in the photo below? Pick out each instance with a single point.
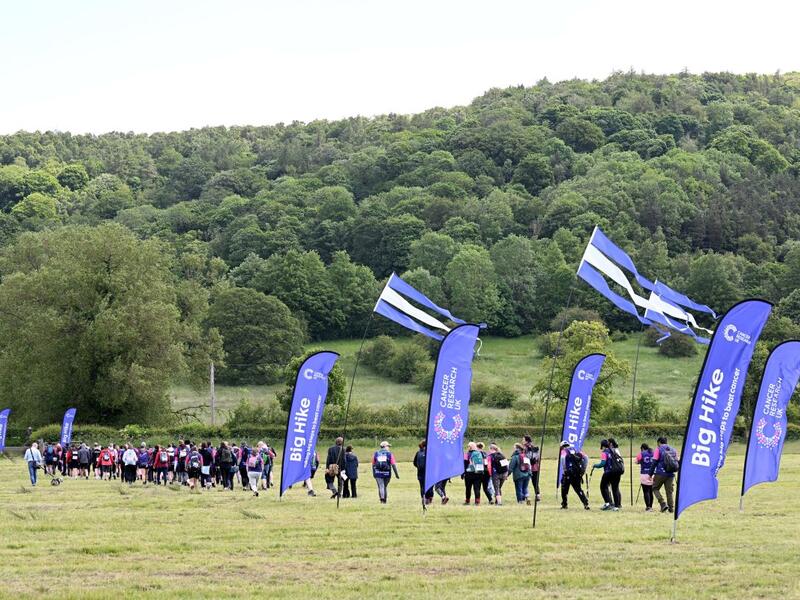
(603, 260)
(768, 429)
(393, 303)
(3, 427)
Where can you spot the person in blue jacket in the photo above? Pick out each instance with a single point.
(351, 473)
(383, 463)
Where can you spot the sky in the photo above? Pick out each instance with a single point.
(95, 66)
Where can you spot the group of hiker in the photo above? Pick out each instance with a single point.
(183, 463)
(486, 469)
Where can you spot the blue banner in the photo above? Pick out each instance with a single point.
(448, 411)
(66, 427)
(305, 415)
(579, 402)
(768, 430)
(716, 402)
(3, 427)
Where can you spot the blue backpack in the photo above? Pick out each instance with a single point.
(383, 462)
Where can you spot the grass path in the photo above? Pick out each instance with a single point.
(98, 540)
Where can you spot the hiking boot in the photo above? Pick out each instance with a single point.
(563, 507)
(606, 507)
(477, 501)
(312, 493)
(615, 508)
(586, 507)
(466, 502)
(445, 500)
(255, 494)
(664, 508)
(538, 497)
(648, 510)
(669, 510)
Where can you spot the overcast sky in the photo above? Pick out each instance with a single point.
(147, 65)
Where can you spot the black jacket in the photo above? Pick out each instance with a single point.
(335, 457)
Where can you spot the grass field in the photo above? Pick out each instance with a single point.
(514, 362)
(90, 539)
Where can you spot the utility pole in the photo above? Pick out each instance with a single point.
(213, 395)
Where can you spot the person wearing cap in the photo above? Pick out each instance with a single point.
(573, 466)
(383, 463)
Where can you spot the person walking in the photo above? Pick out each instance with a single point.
(254, 466)
(499, 466)
(666, 465)
(34, 460)
(106, 461)
(533, 456)
(573, 466)
(334, 465)
(350, 473)
(646, 468)
(383, 463)
(84, 460)
(474, 468)
(520, 474)
(419, 463)
(143, 461)
(161, 460)
(227, 464)
(611, 463)
(207, 452)
(194, 467)
(486, 476)
(129, 459)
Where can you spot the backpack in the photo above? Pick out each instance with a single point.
(476, 463)
(252, 463)
(225, 456)
(106, 456)
(615, 463)
(164, 457)
(574, 463)
(669, 459)
(524, 462)
(194, 461)
(499, 463)
(49, 452)
(383, 462)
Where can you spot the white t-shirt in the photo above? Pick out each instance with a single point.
(129, 457)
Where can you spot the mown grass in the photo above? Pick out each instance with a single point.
(514, 362)
(86, 540)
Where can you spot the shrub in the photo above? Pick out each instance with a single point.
(423, 378)
(677, 345)
(567, 316)
(499, 396)
(647, 408)
(618, 336)
(651, 337)
(379, 353)
(406, 362)
(479, 392)
(547, 343)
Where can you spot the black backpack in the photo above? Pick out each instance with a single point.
(669, 459)
(497, 458)
(574, 463)
(616, 466)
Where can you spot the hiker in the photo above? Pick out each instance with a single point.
(268, 454)
(142, 463)
(334, 464)
(194, 465)
(161, 463)
(207, 452)
(74, 461)
(254, 467)
(613, 468)
(532, 453)
(486, 476)
(666, 465)
(96, 460)
(474, 468)
(520, 473)
(383, 464)
(181, 452)
(441, 489)
(129, 460)
(646, 468)
(309, 483)
(350, 473)
(419, 463)
(34, 460)
(499, 466)
(227, 465)
(106, 461)
(573, 467)
(244, 454)
(84, 460)
(50, 458)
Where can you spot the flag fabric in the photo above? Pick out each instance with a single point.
(3, 427)
(66, 427)
(768, 429)
(716, 402)
(448, 411)
(394, 304)
(305, 415)
(603, 260)
(579, 402)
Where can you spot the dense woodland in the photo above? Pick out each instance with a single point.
(129, 260)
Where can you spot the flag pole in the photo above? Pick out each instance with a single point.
(349, 396)
(633, 406)
(550, 390)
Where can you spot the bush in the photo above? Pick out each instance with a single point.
(406, 362)
(618, 336)
(567, 316)
(256, 414)
(547, 342)
(651, 337)
(647, 408)
(423, 378)
(379, 353)
(678, 345)
(479, 392)
(499, 396)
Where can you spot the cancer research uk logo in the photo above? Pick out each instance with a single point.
(584, 376)
(447, 435)
(768, 442)
(732, 334)
(312, 374)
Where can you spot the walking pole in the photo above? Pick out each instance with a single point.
(347, 406)
(637, 494)
(550, 390)
(633, 406)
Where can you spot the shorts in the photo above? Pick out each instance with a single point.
(194, 473)
(84, 465)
